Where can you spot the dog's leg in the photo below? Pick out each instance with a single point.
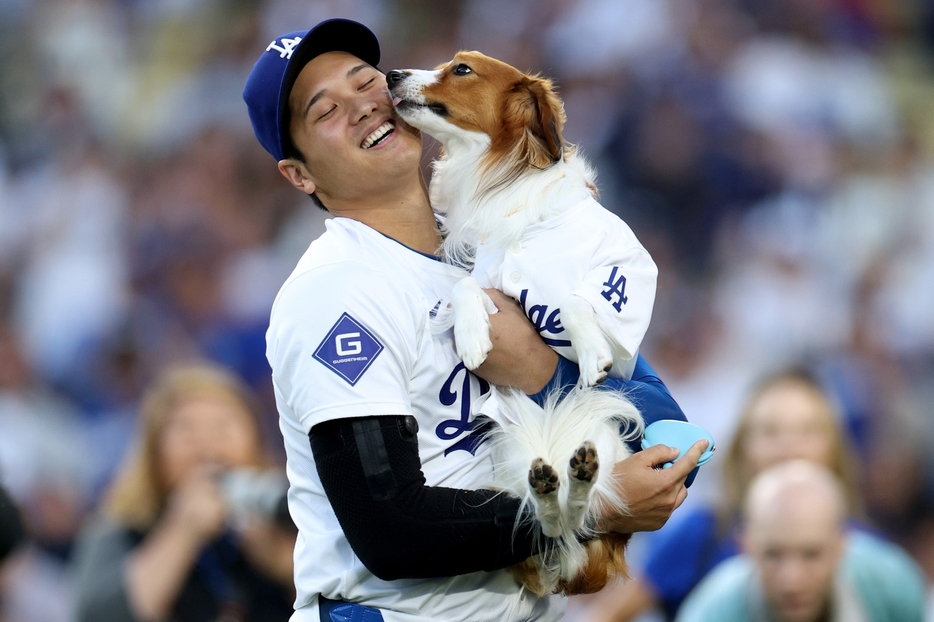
(472, 322)
(583, 469)
(543, 480)
(594, 356)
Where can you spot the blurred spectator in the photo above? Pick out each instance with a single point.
(11, 526)
(168, 542)
(49, 466)
(801, 564)
(73, 217)
(776, 297)
(787, 415)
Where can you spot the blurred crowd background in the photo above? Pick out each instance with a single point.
(775, 157)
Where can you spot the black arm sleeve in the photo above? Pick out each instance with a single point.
(398, 526)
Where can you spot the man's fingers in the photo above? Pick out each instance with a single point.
(659, 454)
(682, 495)
(683, 467)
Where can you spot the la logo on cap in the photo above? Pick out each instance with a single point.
(286, 47)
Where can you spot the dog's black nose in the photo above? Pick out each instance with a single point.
(395, 76)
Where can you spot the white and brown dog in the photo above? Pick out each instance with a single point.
(520, 208)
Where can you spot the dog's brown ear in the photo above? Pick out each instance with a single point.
(550, 118)
(533, 109)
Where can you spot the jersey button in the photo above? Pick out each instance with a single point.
(516, 247)
(515, 277)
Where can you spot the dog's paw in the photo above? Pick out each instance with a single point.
(543, 479)
(471, 322)
(594, 355)
(595, 368)
(583, 468)
(584, 464)
(473, 343)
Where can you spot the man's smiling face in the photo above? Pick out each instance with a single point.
(343, 122)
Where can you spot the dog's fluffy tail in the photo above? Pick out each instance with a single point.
(555, 432)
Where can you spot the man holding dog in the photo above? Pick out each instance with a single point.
(383, 425)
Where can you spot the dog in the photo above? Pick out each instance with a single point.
(580, 430)
(520, 208)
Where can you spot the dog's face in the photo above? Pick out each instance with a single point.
(477, 98)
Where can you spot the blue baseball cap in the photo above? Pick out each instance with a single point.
(267, 89)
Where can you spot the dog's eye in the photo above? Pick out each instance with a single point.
(462, 70)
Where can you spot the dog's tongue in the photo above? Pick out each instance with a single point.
(396, 100)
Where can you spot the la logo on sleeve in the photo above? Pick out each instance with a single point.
(349, 349)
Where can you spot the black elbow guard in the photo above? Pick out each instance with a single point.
(398, 526)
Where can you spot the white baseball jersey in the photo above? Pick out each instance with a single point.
(587, 251)
(354, 333)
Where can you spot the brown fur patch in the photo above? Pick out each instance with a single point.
(606, 560)
(527, 574)
(521, 113)
(530, 125)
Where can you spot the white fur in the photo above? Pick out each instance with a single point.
(472, 309)
(594, 350)
(554, 433)
(498, 218)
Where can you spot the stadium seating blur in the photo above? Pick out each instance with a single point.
(776, 158)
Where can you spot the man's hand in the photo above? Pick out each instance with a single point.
(519, 357)
(652, 494)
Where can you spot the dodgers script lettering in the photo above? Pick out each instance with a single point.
(453, 428)
(543, 321)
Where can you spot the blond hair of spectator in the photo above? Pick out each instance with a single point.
(138, 495)
(738, 471)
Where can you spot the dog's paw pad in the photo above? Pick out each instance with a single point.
(592, 376)
(472, 340)
(604, 365)
(584, 464)
(543, 479)
(476, 354)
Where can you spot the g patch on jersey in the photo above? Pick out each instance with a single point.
(348, 349)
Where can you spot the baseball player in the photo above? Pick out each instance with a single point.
(382, 423)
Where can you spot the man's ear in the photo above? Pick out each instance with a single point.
(297, 175)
